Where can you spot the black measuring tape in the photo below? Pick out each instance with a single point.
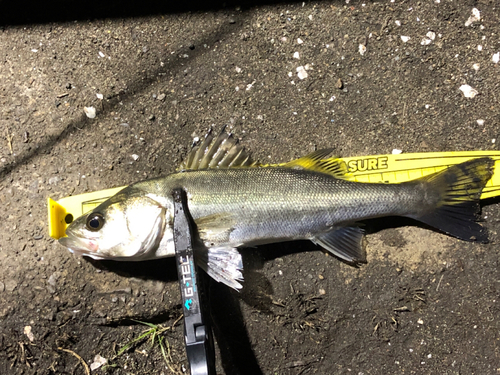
(197, 330)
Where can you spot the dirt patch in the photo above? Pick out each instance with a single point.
(413, 248)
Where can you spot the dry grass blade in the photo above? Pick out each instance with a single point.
(87, 369)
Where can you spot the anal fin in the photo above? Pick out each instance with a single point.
(223, 264)
(345, 242)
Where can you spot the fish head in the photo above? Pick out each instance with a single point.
(128, 226)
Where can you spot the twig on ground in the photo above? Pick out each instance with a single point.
(87, 370)
(9, 141)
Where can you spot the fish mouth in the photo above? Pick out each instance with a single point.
(81, 246)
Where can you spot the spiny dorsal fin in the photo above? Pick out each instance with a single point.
(315, 161)
(222, 151)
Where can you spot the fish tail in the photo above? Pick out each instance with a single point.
(456, 192)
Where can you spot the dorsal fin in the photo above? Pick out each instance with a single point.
(315, 161)
(222, 151)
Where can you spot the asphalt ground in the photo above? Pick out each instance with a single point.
(286, 78)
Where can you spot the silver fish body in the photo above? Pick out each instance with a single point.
(246, 207)
(235, 202)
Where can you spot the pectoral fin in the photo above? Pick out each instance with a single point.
(223, 264)
(346, 243)
(216, 227)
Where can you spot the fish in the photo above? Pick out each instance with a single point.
(236, 202)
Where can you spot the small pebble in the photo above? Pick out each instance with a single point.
(468, 91)
(53, 278)
(38, 236)
(10, 285)
(496, 58)
(339, 84)
(476, 16)
(90, 112)
(426, 42)
(405, 38)
(98, 362)
(161, 97)
(28, 333)
(301, 72)
(2, 287)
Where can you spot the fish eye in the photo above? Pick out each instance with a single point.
(95, 221)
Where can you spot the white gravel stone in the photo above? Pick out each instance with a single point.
(301, 72)
(476, 16)
(90, 112)
(468, 91)
(98, 362)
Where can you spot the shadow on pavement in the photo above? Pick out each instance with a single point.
(29, 12)
(237, 356)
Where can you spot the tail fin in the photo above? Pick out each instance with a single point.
(460, 188)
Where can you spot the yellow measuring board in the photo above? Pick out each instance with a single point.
(374, 168)
(65, 210)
